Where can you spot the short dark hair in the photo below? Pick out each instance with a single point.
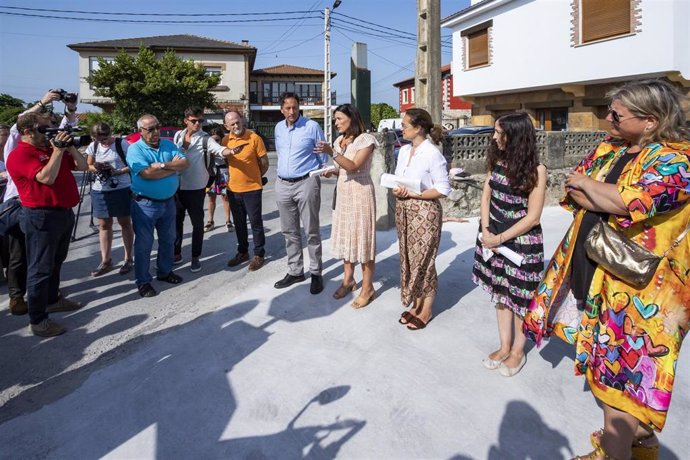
(288, 95)
(30, 121)
(193, 112)
(100, 129)
(356, 124)
(217, 131)
(4, 126)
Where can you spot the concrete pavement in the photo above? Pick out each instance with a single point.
(225, 366)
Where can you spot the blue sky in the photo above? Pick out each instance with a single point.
(34, 55)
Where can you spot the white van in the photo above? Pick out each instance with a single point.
(390, 123)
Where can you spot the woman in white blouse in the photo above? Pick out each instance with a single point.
(418, 216)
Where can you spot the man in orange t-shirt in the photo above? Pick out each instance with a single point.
(246, 164)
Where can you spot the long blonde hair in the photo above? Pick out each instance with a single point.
(659, 99)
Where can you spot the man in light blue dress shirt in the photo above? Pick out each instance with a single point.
(298, 195)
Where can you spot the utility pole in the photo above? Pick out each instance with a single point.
(427, 79)
(327, 123)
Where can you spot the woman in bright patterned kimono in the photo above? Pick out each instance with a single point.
(511, 205)
(627, 339)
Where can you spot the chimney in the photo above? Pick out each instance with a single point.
(245, 42)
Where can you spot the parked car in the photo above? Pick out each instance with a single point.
(469, 129)
(399, 141)
(167, 132)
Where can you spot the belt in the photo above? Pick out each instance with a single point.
(144, 197)
(292, 180)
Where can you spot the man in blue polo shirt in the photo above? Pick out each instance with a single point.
(154, 165)
(297, 194)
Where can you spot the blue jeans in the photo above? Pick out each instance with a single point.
(147, 215)
(48, 232)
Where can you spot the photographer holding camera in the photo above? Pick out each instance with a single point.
(16, 267)
(110, 194)
(42, 172)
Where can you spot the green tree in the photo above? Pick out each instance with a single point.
(10, 107)
(381, 110)
(164, 87)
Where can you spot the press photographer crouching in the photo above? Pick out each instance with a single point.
(42, 172)
(110, 194)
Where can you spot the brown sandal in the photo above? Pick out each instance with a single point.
(418, 323)
(361, 302)
(344, 290)
(405, 317)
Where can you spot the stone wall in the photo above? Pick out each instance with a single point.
(559, 151)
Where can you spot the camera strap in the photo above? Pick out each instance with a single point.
(118, 148)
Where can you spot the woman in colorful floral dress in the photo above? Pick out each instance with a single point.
(627, 339)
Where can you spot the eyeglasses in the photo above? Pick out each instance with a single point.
(617, 118)
(195, 120)
(151, 129)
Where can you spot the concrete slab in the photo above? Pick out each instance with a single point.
(225, 366)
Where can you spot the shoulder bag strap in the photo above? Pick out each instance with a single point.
(120, 151)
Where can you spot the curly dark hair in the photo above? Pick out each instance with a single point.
(520, 158)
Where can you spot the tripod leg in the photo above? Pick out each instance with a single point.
(85, 178)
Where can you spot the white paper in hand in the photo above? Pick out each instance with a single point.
(508, 253)
(393, 181)
(318, 172)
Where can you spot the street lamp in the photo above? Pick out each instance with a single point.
(328, 129)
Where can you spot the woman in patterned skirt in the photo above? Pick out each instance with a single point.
(353, 237)
(627, 337)
(511, 205)
(418, 216)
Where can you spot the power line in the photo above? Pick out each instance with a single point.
(376, 54)
(144, 21)
(290, 47)
(106, 13)
(383, 34)
(377, 25)
(289, 31)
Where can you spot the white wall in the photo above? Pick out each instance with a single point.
(531, 47)
(234, 75)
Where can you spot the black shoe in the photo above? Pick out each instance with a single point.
(289, 280)
(316, 284)
(146, 290)
(170, 278)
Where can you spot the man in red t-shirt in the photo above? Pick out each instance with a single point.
(42, 172)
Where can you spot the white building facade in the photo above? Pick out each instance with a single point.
(556, 59)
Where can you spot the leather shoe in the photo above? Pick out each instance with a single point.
(18, 306)
(316, 284)
(171, 278)
(289, 280)
(239, 258)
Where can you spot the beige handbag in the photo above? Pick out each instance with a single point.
(622, 257)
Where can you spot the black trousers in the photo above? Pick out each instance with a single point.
(245, 204)
(48, 232)
(191, 201)
(16, 263)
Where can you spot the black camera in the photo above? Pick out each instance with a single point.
(67, 98)
(105, 177)
(79, 140)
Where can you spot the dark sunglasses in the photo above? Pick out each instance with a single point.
(195, 120)
(617, 116)
(151, 129)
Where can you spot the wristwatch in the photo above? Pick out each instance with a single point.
(161, 166)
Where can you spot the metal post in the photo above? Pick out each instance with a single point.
(327, 76)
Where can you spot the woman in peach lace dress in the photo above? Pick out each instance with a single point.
(353, 236)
